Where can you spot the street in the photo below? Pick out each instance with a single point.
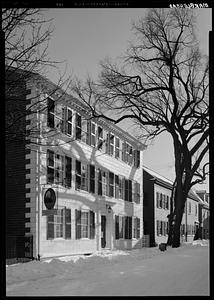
(145, 272)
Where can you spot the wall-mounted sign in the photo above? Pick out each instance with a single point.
(50, 198)
(49, 212)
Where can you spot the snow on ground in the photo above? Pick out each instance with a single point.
(63, 275)
(107, 253)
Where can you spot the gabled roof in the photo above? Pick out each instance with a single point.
(159, 177)
(169, 183)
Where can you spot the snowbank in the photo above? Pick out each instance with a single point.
(200, 242)
(74, 258)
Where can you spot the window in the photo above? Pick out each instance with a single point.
(59, 225)
(111, 184)
(117, 147)
(124, 152)
(136, 229)
(119, 187)
(92, 179)
(78, 126)
(129, 156)
(137, 158)
(100, 138)
(136, 192)
(102, 182)
(68, 116)
(89, 132)
(110, 144)
(81, 176)
(54, 115)
(55, 168)
(123, 227)
(85, 224)
(84, 136)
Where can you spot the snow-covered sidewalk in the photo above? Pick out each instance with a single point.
(102, 271)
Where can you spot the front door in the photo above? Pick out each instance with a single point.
(103, 231)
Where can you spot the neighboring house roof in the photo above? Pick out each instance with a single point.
(203, 202)
(161, 180)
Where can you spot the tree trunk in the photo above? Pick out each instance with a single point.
(180, 199)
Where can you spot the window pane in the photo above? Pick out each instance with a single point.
(50, 160)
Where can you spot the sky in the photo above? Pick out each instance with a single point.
(84, 37)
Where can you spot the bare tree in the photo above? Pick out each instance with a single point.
(26, 38)
(162, 85)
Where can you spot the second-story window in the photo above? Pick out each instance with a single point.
(81, 176)
(119, 187)
(56, 171)
(102, 182)
(55, 168)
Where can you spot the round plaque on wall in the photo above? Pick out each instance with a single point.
(50, 199)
